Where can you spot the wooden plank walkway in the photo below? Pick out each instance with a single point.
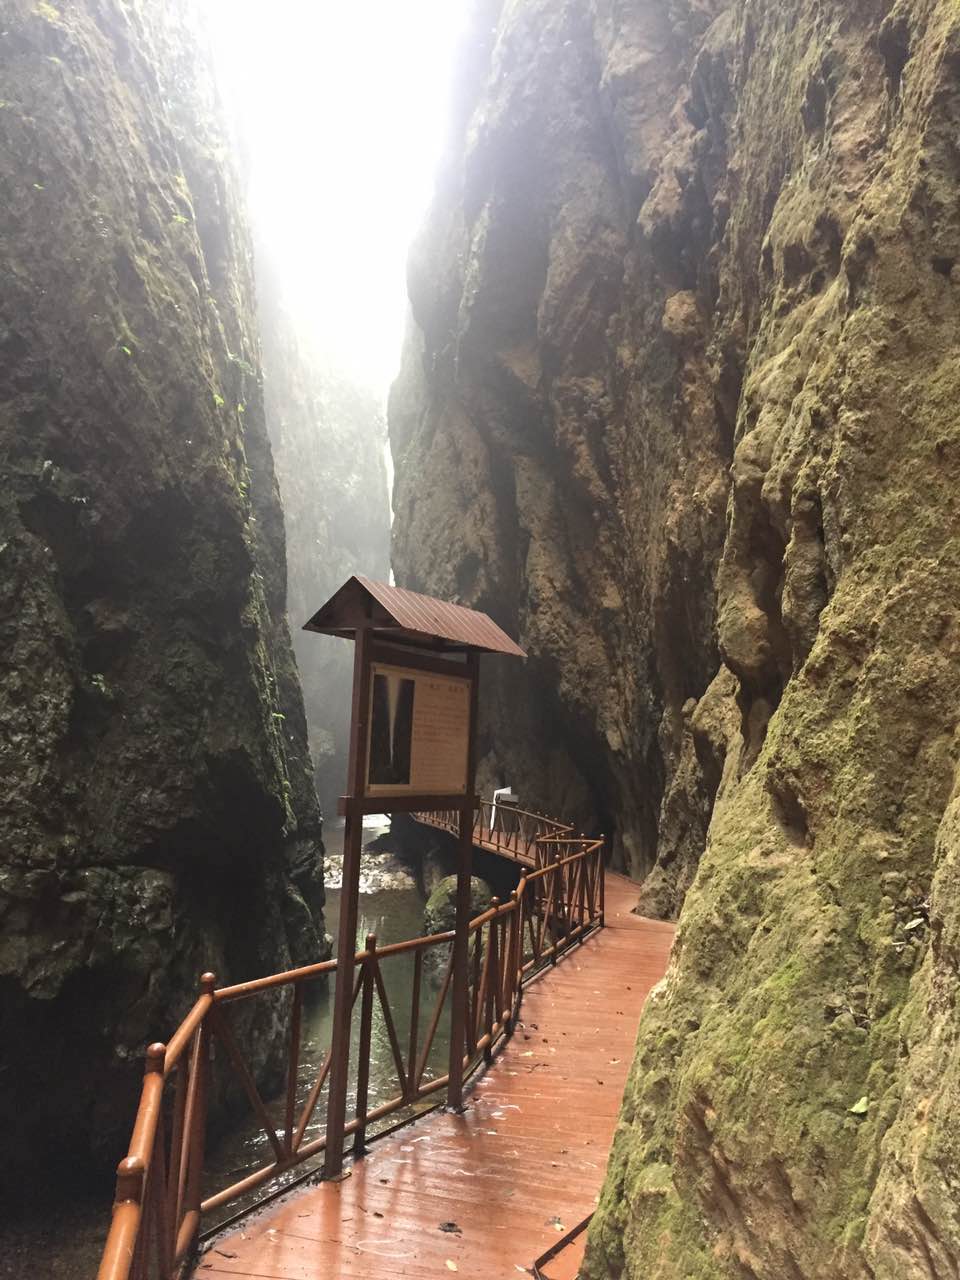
(486, 1192)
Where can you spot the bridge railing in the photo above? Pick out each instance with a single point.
(160, 1202)
(504, 829)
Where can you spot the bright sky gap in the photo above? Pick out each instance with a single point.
(343, 111)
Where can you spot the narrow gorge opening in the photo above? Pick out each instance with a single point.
(619, 335)
(336, 135)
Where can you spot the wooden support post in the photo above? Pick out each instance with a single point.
(349, 893)
(412, 1080)
(602, 863)
(556, 890)
(293, 1067)
(195, 1127)
(493, 983)
(461, 941)
(363, 1054)
(458, 1015)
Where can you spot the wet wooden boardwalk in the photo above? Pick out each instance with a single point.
(484, 1193)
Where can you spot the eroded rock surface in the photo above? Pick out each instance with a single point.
(546, 331)
(440, 913)
(158, 815)
(679, 406)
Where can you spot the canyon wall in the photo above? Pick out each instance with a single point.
(328, 437)
(158, 816)
(562, 436)
(679, 408)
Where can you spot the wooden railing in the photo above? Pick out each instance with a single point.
(503, 829)
(159, 1205)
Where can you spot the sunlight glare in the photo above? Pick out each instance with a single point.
(342, 111)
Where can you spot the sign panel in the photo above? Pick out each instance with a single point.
(419, 736)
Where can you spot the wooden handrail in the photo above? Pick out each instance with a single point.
(239, 990)
(157, 1209)
(184, 1033)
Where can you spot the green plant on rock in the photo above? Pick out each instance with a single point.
(243, 365)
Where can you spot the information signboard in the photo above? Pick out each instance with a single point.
(419, 734)
(412, 750)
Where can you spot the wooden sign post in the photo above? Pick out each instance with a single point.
(413, 734)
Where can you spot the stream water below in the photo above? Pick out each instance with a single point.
(391, 907)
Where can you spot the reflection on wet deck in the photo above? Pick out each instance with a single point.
(486, 1192)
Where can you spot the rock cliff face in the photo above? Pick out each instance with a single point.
(679, 404)
(158, 815)
(328, 438)
(561, 461)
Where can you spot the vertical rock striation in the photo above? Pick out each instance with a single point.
(158, 815)
(560, 459)
(680, 404)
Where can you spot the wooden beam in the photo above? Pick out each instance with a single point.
(461, 958)
(349, 894)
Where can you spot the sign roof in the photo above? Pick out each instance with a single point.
(410, 618)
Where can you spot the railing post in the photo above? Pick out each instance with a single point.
(366, 1032)
(349, 892)
(146, 1192)
(473, 1001)
(507, 970)
(461, 940)
(521, 943)
(412, 1081)
(175, 1172)
(460, 983)
(492, 1012)
(128, 1199)
(502, 998)
(293, 1067)
(602, 872)
(195, 1129)
(557, 888)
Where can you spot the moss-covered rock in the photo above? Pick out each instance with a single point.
(440, 916)
(687, 336)
(558, 459)
(440, 912)
(158, 815)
